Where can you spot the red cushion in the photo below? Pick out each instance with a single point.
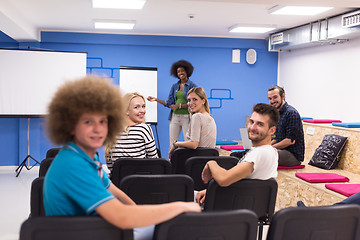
(344, 189)
(232, 147)
(321, 177)
(321, 120)
(294, 167)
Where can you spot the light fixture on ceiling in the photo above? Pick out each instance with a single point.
(297, 10)
(112, 24)
(245, 28)
(120, 4)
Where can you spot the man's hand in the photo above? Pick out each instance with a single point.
(200, 196)
(283, 143)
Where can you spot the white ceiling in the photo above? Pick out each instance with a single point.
(24, 19)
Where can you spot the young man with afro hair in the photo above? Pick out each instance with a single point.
(83, 116)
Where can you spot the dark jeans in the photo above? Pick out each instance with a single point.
(287, 159)
(354, 199)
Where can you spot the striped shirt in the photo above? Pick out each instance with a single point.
(137, 142)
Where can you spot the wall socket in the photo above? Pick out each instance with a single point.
(310, 131)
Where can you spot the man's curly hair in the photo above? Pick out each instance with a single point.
(91, 94)
(188, 67)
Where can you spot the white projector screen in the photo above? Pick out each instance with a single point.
(28, 79)
(144, 81)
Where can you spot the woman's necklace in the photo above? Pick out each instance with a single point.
(182, 84)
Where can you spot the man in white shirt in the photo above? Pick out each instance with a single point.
(260, 162)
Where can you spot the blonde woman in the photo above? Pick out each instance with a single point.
(202, 130)
(137, 141)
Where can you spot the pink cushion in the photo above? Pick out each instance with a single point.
(344, 189)
(321, 120)
(321, 177)
(294, 167)
(232, 147)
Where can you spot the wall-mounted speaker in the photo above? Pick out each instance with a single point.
(236, 55)
(251, 56)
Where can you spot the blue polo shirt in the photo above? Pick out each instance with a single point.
(75, 184)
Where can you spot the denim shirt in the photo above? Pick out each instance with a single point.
(172, 95)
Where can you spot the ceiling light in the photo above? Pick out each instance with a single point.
(250, 29)
(297, 10)
(114, 24)
(122, 4)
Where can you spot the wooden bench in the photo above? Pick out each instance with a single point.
(292, 189)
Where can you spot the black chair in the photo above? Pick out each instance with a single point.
(44, 166)
(195, 165)
(224, 225)
(180, 155)
(340, 222)
(158, 152)
(72, 228)
(128, 166)
(52, 152)
(36, 198)
(239, 154)
(256, 195)
(156, 189)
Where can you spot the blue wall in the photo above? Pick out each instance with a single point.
(211, 57)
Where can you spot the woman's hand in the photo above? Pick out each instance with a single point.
(151, 98)
(172, 148)
(174, 106)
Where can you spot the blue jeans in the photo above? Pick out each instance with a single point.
(144, 233)
(354, 199)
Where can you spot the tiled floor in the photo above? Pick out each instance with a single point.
(15, 201)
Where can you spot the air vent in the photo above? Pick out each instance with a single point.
(351, 20)
(278, 39)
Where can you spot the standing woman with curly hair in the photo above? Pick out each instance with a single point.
(179, 115)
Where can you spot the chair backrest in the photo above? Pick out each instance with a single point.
(256, 195)
(180, 155)
(195, 165)
(71, 228)
(36, 198)
(52, 152)
(224, 225)
(155, 189)
(44, 166)
(158, 152)
(340, 222)
(128, 166)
